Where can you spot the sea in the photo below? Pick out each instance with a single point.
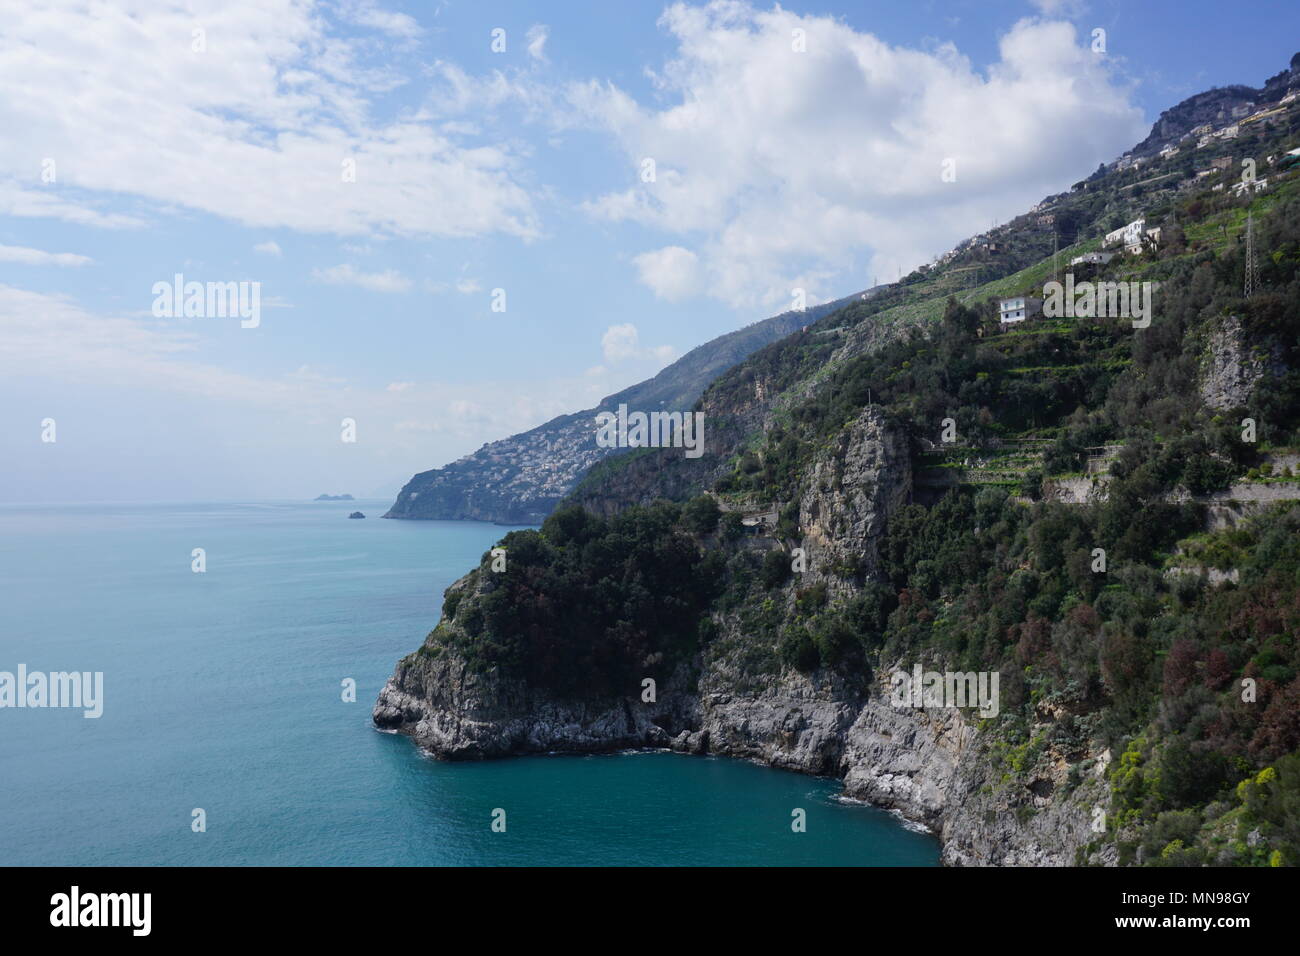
(228, 735)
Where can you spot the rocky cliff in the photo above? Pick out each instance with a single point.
(1218, 107)
(771, 588)
(1232, 366)
(932, 765)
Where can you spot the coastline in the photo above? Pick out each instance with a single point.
(930, 768)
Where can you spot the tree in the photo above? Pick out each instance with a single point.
(701, 514)
(960, 321)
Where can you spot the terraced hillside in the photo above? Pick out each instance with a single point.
(1105, 517)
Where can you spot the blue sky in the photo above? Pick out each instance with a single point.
(220, 154)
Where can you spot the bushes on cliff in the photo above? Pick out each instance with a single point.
(1149, 663)
(1272, 801)
(775, 570)
(588, 605)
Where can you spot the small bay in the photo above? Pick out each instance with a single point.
(223, 692)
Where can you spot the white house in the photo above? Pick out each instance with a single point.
(1018, 308)
(1134, 236)
(1126, 234)
(1141, 240)
(1093, 258)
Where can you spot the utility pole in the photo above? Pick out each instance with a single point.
(1252, 269)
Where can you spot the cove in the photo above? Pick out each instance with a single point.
(225, 695)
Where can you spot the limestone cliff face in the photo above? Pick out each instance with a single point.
(932, 765)
(1232, 367)
(852, 490)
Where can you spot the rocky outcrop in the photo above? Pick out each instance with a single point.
(455, 712)
(1232, 367)
(850, 494)
(929, 765)
(1218, 107)
(1075, 491)
(1244, 499)
(932, 765)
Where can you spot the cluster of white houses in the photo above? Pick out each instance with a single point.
(1135, 237)
(1239, 118)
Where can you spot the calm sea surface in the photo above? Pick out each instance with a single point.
(222, 691)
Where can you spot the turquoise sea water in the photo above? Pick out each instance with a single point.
(222, 691)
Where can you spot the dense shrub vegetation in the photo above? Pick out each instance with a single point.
(1195, 688)
(587, 605)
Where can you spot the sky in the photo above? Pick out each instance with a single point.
(460, 219)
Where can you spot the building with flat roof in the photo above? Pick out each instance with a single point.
(1018, 308)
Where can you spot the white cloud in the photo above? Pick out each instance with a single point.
(619, 342)
(37, 257)
(537, 36)
(787, 168)
(255, 128)
(390, 280)
(1068, 9)
(468, 286)
(47, 203)
(365, 13)
(268, 248)
(623, 342)
(673, 273)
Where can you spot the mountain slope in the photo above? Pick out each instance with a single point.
(520, 479)
(1111, 528)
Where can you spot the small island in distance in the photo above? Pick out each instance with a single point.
(333, 498)
(356, 514)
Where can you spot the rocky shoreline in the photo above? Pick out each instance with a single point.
(935, 766)
(931, 766)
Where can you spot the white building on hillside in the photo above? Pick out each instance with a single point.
(1126, 235)
(1018, 308)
